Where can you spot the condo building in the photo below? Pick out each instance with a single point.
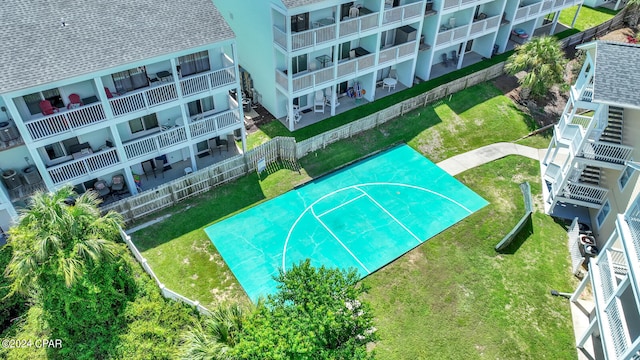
(117, 96)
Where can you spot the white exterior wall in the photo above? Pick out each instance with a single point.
(116, 128)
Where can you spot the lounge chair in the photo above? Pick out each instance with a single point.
(117, 183)
(101, 188)
(47, 108)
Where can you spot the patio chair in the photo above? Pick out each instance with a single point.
(117, 183)
(454, 58)
(109, 93)
(296, 114)
(47, 108)
(221, 144)
(318, 102)
(147, 167)
(74, 101)
(101, 188)
(445, 60)
(159, 167)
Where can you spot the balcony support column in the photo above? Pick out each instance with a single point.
(575, 17)
(554, 23)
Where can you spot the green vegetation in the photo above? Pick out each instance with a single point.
(85, 289)
(587, 18)
(317, 313)
(456, 298)
(182, 255)
(544, 61)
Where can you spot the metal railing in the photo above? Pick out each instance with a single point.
(448, 36)
(207, 81)
(397, 52)
(84, 166)
(488, 24)
(359, 24)
(66, 121)
(143, 99)
(583, 192)
(605, 151)
(312, 37)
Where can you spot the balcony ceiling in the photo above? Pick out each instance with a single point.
(99, 34)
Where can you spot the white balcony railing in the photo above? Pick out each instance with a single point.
(83, 166)
(449, 4)
(66, 121)
(482, 26)
(143, 99)
(583, 192)
(448, 36)
(402, 13)
(359, 24)
(308, 38)
(354, 66)
(215, 124)
(154, 143)
(280, 37)
(397, 52)
(207, 81)
(605, 151)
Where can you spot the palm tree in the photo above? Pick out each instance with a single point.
(544, 61)
(216, 336)
(59, 234)
(634, 10)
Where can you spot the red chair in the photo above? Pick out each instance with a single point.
(108, 92)
(74, 101)
(47, 108)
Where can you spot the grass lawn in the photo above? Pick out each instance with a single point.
(452, 297)
(587, 18)
(455, 298)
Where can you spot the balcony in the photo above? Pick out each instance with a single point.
(451, 4)
(65, 121)
(450, 36)
(358, 25)
(143, 99)
(83, 166)
(299, 40)
(402, 13)
(153, 144)
(305, 80)
(606, 152)
(207, 81)
(216, 124)
(397, 52)
(527, 12)
(583, 195)
(481, 27)
(353, 67)
(209, 126)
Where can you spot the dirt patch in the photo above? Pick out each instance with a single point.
(251, 123)
(547, 111)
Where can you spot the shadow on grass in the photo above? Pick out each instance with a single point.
(521, 237)
(400, 130)
(216, 204)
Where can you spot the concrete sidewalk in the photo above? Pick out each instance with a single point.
(459, 163)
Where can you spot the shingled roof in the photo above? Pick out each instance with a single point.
(617, 74)
(99, 34)
(296, 3)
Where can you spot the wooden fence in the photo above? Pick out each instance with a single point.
(169, 294)
(614, 23)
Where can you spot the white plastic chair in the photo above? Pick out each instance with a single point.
(296, 114)
(318, 103)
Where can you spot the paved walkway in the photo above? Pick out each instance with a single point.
(459, 163)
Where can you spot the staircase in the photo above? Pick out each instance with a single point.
(613, 132)
(590, 175)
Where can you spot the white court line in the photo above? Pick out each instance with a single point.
(335, 237)
(341, 205)
(388, 213)
(295, 223)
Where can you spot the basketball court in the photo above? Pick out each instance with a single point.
(363, 216)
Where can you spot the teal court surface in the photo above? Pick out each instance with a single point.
(363, 216)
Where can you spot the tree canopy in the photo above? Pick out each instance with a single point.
(544, 61)
(315, 314)
(66, 260)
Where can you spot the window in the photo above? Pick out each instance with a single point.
(602, 214)
(129, 80)
(194, 63)
(300, 101)
(624, 177)
(33, 100)
(299, 63)
(144, 123)
(300, 22)
(200, 106)
(60, 149)
(344, 50)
